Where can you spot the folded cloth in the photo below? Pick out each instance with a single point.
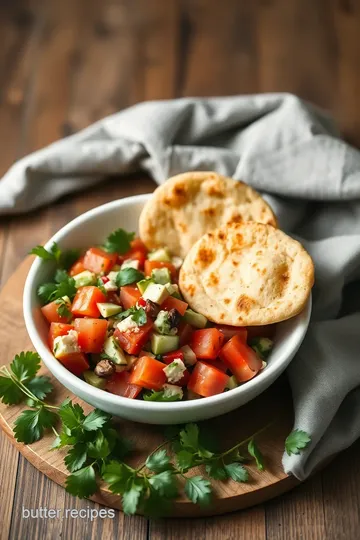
(292, 152)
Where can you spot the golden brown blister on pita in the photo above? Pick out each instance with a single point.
(188, 205)
(247, 274)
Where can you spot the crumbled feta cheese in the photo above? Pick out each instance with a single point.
(110, 286)
(156, 293)
(171, 390)
(177, 261)
(130, 263)
(175, 371)
(128, 325)
(64, 345)
(112, 275)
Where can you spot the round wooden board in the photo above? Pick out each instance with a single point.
(273, 406)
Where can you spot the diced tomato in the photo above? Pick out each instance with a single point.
(113, 298)
(185, 379)
(207, 380)
(171, 356)
(77, 267)
(77, 362)
(137, 252)
(240, 359)
(92, 334)
(132, 342)
(174, 303)
(119, 384)
(206, 343)
(56, 330)
(230, 331)
(50, 312)
(185, 333)
(148, 373)
(85, 302)
(137, 244)
(267, 331)
(129, 296)
(97, 260)
(151, 265)
(219, 364)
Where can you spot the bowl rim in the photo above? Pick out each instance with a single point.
(270, 373)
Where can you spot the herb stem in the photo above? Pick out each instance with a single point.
(153, 452)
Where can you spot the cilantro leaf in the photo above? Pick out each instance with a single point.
(72, 415)
(118, 241)
(131, 497)
(165, 483)
(63, 308)
(154, 395)
(256, 454)
(184, 460)
(189, 436)
(237, 472)
(95, 420)
(126, 276)
(46, 291)
(82, 483)
(297, 441)
(25, 365)
(53, 254)
(60, 275)
(159, 461)
(198, 490)
(216, 470)
(63, 440)
(99, 449)
(10, 393)
(52, 291)
(117, 475)
(68, 257)
(139, 316)
(40, 386)
(29, 426)
(76, 457)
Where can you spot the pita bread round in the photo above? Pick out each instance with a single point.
(247, 275)
(191, 204)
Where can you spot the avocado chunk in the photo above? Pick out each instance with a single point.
(161, 275)
(164, 344)
(84, 279)
(195, 319)
(262, 346)
(232, 383)
(114, 352)
(161, 255)
(143, 284)
(94, 380)
(107, 309)
(156, 293)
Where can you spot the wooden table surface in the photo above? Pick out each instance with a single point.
(65, 64)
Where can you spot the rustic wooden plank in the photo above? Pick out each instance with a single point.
(240, 526)
(341, 495)
(298, 515)
(219, 53)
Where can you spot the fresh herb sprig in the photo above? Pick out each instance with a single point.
(118, 241)
(63, 258)
(96, 450)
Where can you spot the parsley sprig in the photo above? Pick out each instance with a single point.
(118, 241)
(96, 450)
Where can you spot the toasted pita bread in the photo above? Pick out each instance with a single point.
(188, 205)
(246, 275)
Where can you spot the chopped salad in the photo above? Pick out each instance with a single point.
(118, 320)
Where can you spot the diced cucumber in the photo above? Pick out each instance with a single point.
(130, 263)
(173, 290)
(107, 309)
(195, 319)
(163, 344)
(262, 346)
(114, 352)
(84, 279)
(161, 255)
(232, 383)
(161, 275)
(156, 293)
(143, 284)
(94, 380)
(189, 355)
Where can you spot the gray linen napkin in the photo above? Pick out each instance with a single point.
(282, 146)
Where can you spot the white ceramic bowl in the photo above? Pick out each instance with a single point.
(91, 228)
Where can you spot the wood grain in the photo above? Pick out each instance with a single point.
(65, 64)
